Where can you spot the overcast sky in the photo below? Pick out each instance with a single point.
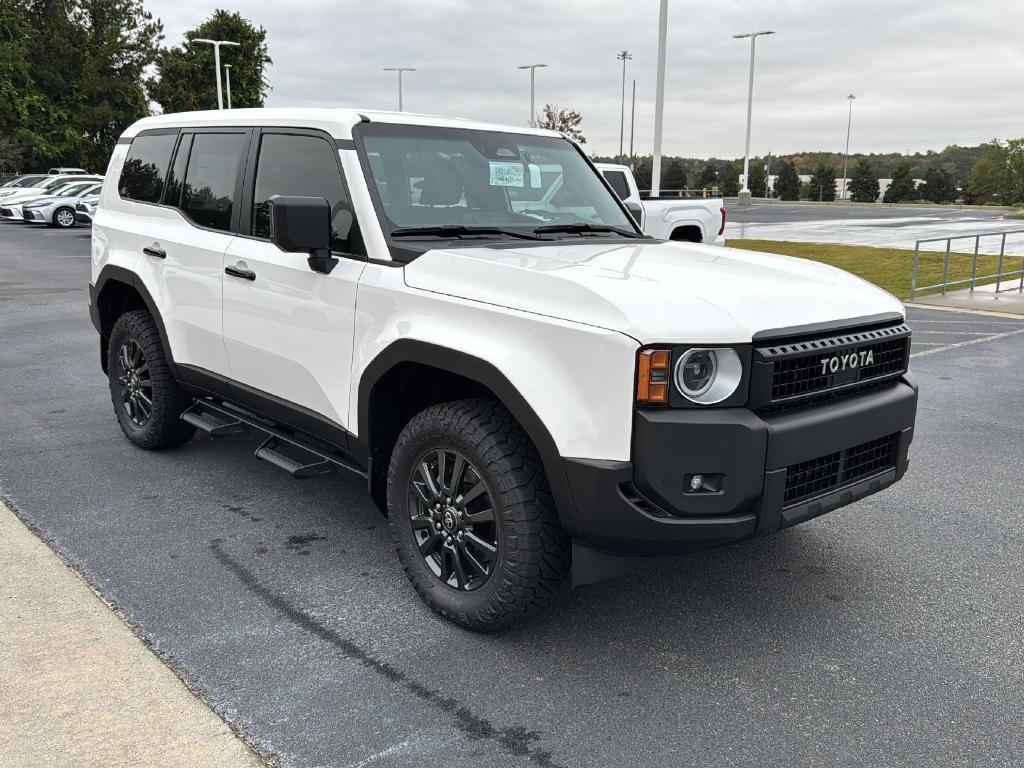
(926, 73)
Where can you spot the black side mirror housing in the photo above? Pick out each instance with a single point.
(303, 225)
(637, 211)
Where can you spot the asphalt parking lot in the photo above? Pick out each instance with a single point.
(888, 633)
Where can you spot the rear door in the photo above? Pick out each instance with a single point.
(288, 329)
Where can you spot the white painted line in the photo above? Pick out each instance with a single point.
(967, 343)
(954, 333)
(917, 343)
(396, 748)
(960, 322)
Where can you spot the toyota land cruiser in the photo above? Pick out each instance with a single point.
(466, 316)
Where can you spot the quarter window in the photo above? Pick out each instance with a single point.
(142, 177)
(306, 166)
(618, 181)
(208, 193)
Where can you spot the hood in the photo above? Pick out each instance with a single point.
(654, 291)
(22, 195)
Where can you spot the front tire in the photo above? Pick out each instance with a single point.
(63, 218)
(146, 400)
(472, 516)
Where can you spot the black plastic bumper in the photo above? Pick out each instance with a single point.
(633, 511)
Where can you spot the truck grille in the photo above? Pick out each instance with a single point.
(828, 473)
(808, 369)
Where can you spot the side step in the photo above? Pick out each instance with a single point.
(299, 456)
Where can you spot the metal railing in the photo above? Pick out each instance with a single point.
(999, 276)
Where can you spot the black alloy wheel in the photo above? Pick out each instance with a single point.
(135, 382)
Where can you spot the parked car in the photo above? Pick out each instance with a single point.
(41, 186)
(66, 171)
(25, 180)
(532, 389)
(12, 208)
(694, 220)
(85, 208)
(58, 209)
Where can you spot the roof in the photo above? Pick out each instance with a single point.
(336, 122)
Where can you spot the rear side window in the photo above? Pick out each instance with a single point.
(145, 168)
(618, 181)
(208, 192)
(305, 166)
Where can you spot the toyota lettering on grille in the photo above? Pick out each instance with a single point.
(848, 361)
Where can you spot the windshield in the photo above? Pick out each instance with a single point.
(426, 177)
(27, 181)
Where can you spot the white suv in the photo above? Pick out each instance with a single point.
(533, 389)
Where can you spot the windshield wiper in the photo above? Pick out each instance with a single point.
(458, 230)
(583, 228)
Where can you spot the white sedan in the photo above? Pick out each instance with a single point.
(57, 210)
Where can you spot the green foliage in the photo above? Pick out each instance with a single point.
(708, 176)
(673, 174)
(758, 177)
(787, 182)
(185, 75)
(75, 77)
(998, 176)
(823, 183)
(939, 186)
(863, 183)
(729, 179)
(902, 187)
(568, 121)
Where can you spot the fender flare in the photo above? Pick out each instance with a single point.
(486, 374)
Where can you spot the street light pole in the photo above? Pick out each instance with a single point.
(846, 159)
(533, 71)
(227, 80)
(632, 125)
(750, 104)
(400, 70)
(623, 56)
(216, 62)
(659, 99)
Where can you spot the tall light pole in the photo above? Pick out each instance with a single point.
(227, 81)
(399, 70)
(533, 71)
(216, 62)
(659, 99)
(846, 159)
(745, 198)
(632, 125)
(623, 56)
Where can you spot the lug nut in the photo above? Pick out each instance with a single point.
(449, 540)
(437, 526)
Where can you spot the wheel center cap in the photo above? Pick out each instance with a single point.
(449, 520)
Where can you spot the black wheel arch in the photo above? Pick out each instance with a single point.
(473, 373)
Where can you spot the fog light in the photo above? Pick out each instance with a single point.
(703, 483)
(696, 481)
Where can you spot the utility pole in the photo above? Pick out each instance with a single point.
(745, 192)
(623, 56)
(767, 174)
(632, 126)
(533, 71)
(659, 100)
(400, 70)
(216, 62)
(227, 81)
(846, 160)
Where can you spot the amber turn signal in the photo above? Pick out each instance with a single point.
(652, 377)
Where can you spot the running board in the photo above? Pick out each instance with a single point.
(280, 447)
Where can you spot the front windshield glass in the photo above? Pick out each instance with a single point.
(28, 181)
(423, 176)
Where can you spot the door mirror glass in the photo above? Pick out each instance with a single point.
(303, 225)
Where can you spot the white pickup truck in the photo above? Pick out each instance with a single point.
(691, 220)
(465, 316)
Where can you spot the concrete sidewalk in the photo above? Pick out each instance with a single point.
(1009, 301)
(78, 688)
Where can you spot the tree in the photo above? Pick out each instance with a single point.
(998, 176)
(823, 183)
(787, 183)
(729, 179)
(758, 178)
(674, 175)
(902, 187)
(864, 183)
(708, 177)
(185, 75)
(568, 121)
(939, 186)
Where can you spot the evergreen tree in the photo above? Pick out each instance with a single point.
(708, 177)
(864, 183)
(729, 179)
(902, 187)
(939, 186)
(787, 183)
(758, 177)
(823, 183)
(673, 175)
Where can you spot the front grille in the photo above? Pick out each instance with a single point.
(806, 369)
(828, 473)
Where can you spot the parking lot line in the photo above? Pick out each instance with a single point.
(968, 342)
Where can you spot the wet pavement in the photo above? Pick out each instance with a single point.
(879, 227)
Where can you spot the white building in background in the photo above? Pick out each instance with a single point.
(805, 178)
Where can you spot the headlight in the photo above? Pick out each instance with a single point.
(34, 205)
(708, 376)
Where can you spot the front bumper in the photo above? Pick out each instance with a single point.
(644, 509)
(12, 212)
(34, 215)
(83, 217)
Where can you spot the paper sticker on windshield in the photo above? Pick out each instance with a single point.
(535, 180)
(506, 174)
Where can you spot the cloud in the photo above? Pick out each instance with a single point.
(925, 75)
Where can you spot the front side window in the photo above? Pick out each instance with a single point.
(300, 165)
(424, 176)
(208, 191)
(145, 167)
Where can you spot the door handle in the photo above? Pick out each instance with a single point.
(159, 253)
(245, 274)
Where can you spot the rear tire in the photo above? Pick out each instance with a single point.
(444, 527)
(63, 218)
(146, 400)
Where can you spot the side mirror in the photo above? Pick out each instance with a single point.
(303, 225)
(637, 212)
